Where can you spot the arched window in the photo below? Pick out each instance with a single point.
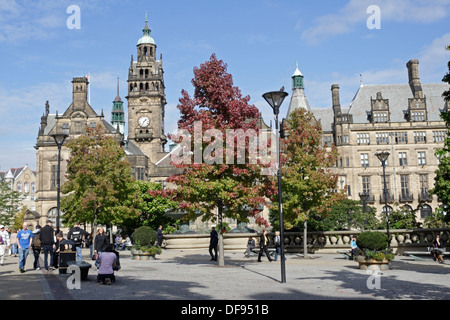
(19, 186)
(425, 211)
(33, 187)
(52, 216)
(26, 187)
(389, 209)
(407, 208)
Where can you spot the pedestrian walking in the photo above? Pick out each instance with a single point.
(213, 242)
(47, 236)
(36, 246)
(13, 242)
(263, 242)
(76, 234)
(101, 241)
(159, 235)
(4, 243)
(25, 238)
(277, 243)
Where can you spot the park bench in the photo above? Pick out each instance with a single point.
(346, 253)
(423, 255)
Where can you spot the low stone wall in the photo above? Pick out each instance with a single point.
(317, 242)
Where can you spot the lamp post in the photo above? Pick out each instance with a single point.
(364, 197)
(275, 99)
(383, 156)
(59, 140)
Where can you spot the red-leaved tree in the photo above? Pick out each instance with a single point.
(221, 146)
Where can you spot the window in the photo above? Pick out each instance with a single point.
(26, 187)
(362, 138)
(364, 160)
(401, 137)
(382, 137)
(439, 136)
(53, 177)
(389, 210)
(19, 186)
(425, 211)
(388, 192)
(421, 159)
(423, 184)
(327, 141)
(140, 173)
(380, 117)
(418, 116)
(404, 185)
(347, 162)
(366, 184)
(403, 162)
(52, 215)
(420, 136)
(33, 187)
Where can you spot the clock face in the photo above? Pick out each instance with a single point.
(144, 121)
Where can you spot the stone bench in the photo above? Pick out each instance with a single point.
(422, 255)
(346, 253)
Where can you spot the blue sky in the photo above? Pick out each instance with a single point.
(260, 41)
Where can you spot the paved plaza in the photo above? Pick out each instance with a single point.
(190, 275)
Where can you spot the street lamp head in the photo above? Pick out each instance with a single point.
(382, 156)
(364, 196)
(275, 99)
(59, 138)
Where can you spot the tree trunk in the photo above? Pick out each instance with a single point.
(221, 248)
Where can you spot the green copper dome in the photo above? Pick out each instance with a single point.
(146, 38)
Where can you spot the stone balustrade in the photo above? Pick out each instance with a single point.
(323, 242)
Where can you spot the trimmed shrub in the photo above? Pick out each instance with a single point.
(372, 240)
(144, 236)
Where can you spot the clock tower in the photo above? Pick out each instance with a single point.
(146, 99)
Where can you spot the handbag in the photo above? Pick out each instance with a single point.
(94, 257)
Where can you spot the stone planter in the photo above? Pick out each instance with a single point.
(372, 264)
(139, 255)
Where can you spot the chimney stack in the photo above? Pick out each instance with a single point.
(335, 99)
(414, 79)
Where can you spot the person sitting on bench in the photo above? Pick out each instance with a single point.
(353, 247)
(437, 249)
(107, 265)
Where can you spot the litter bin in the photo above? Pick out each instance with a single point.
(84, 268)
(64, 257)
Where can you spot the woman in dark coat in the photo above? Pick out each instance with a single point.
(101, 241)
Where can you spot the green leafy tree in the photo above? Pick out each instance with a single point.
(442, 179)
(400, 219)
(152, 205)
(9, 203)
(344, 215)
(212, 187)
(99, 187)
(308, 181)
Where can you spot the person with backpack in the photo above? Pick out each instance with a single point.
(36, 246)
(76, 234)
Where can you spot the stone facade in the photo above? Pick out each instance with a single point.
(402, 119)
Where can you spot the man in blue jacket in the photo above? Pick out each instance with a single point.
(24, 239)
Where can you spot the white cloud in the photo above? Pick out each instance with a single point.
(355, 12)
